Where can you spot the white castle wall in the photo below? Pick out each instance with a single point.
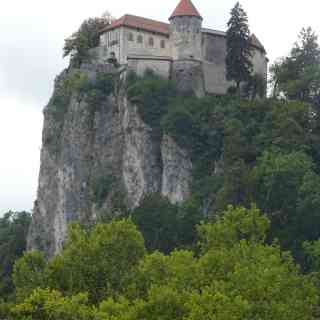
(187, 41)
(185, 35)
(160, 66)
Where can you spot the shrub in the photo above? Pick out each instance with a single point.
(152, 95)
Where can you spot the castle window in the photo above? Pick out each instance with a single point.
(151, 42)
(139, 39)
(130, 37)
(162, 44)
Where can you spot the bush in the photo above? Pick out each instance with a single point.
(152, 95)
(166, 226)
(87, 37)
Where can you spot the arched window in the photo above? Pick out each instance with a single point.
(139, 39)
(151, 42)
(130, 37)
(162, 44)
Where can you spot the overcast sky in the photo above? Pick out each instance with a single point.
(32, 33)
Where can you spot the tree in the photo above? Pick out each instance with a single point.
(298, 75)
(166, 226)
(29, 273)
(238, 59)
(13, 238)
(44, 304)
(87, 37)
(236, 276)
(98, 261)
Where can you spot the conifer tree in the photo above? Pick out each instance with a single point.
(238, 60)
(297, 76)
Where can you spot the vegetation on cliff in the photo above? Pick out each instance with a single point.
(13, 233)
(105, 273)
(216, 255)
(238, 59)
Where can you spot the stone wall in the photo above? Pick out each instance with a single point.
(214, 67)
(188, 75)
(185, 35)
(214, 50)
(260, 63)
(133, 46)
(160, 65)
(112, 41)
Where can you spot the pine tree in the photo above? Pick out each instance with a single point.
(238, 60)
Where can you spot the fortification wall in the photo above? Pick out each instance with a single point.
(186, 38)
(188, 75)
(112, 41)
(160, 65)
(214, 50)
(139, 42)
(260, 63)
(214, 67)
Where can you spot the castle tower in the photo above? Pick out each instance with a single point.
(185, 31)
(186, 39)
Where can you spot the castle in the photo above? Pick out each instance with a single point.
(181, 49)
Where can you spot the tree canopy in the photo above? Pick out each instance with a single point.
(13, 233)
(238, 59)
(105, 274)
(298, 75)
(87, 37)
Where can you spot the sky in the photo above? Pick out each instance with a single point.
(32, 34)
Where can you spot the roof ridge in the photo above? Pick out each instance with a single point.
(139, 22)
(185, 8)
(149, 19)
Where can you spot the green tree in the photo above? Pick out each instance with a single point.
(44, 304)
(87, 37)
(166, 226)
(29, 273)
(238, 59)
(13, 238)
(235, 276)
(99, 261)
(281, 190)
(298, 75)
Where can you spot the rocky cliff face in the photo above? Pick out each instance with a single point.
(105, 145)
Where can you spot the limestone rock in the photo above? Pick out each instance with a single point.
(109, 140)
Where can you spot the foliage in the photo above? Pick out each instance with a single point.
(87, 37)
(74, 83)
(152, 94)
(281, 183)
(13, 234)
(29, 273)
(235, 225)
(238, 59)
(166, 226)
(298, 75)
(98, 262)
(255, 87)
(235, 276)
(236, 145)
(44, 304)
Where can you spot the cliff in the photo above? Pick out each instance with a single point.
(98, 157)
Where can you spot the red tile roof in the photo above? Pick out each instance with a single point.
(185, 8)
(140, 23)
(132, 21)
